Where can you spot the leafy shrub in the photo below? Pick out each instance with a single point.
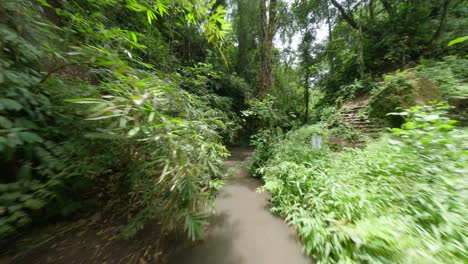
(346, 133)
(133, 132)
(267, 150)
(450, 75)
(218, 92)
(265, 113)
(29, 158)
(429, 81)
(401, 199)
(174, 147)
(329, 114)
(266, 120)
(353, 90)
(201, 79)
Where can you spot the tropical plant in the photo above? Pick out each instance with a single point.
(399, 200)
(132, 131)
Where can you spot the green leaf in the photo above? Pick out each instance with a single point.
(5, 229)
(103, 117)
(151, 117)
(140, 84)
(162, 9)
(83, 100)
(17, 216)
(133, 131)
(193, 225)
(29, 137)
(5, 123)
(44, 3)
(134, 37)
(9, 104)
(34, 204)
(150, 15)
(458, 40)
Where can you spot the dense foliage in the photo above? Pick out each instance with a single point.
(83, 117)
(402, 199)
(429, 81)
(126, 107)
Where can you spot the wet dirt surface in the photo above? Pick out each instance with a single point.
(242, 230)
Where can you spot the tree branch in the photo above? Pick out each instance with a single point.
(272, 14)
(348, 17)
(263, 18)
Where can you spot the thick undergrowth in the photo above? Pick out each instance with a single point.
(86, 123)
(402, 199)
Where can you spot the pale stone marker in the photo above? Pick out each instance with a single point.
(316, 142)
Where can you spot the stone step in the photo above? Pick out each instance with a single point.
(362, 126)
(368, 129)
(356, 120)
(350, 115)
(359, 122)
(371, 131)
(357, 107)
(365, 126)
(349, 112)
(352, 119)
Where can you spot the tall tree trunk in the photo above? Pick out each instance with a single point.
(242, 38)
(331, 53)
(361, 45)
(306, 64)
(443, 20)
(371, 10)
(306, 96)
(268, 29)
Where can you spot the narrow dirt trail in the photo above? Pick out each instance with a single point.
(243, 231)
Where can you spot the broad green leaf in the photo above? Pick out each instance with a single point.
(458, 40)
(140, 84)
(161, 8)
(133, 131)
(134, 37)
(9, 104)
(150, 16)
(44, 3)
(151, 116)
(34, 204)
(5, 123)
(29, 137)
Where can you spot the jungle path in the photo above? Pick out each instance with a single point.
(243, 230)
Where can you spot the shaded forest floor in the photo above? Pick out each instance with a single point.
(92, 240)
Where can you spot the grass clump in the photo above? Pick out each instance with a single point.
(402, 199)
